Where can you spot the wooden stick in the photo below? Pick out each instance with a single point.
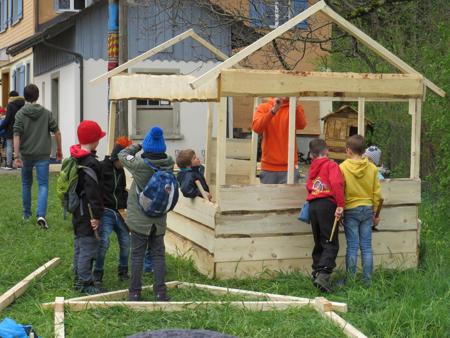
(348, 329)
(291, 140)
(180, 306)
(377, 213)
(337, 306)
(334, 229)
(221, 145)
(17, 290)
(112, 125)
(202, 191)
(323, 304)
(59, 317)
(361, 116)
(208, 143)
(415, 110)
(254, 147)
(91, 214)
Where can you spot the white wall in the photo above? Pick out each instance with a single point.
(69, 102)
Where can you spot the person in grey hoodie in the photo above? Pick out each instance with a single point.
(32, 147)
(146, 231)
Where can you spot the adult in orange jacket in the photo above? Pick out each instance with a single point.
(271, 120)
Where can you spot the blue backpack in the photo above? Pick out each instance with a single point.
(160, 195)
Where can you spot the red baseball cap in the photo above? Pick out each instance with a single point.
(89, 132)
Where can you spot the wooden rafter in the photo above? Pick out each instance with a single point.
(155, 50)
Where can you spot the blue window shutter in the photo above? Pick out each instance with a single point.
(14, 80)
(299, 6)
(10, 12)
(21, 80)
(257, 10)
(19, 10)
(3, 15)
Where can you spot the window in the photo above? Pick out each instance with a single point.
(150, 112)
(3, 15)
(19, 80)
(71, 5)
(15, 11)
(273, 13)
(55, 97)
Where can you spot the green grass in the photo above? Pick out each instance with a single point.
(412, 303)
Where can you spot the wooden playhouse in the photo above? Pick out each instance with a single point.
(338, 127)
(251, 228)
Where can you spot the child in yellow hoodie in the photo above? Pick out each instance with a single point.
(362, 197)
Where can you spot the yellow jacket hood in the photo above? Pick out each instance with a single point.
(356, 167)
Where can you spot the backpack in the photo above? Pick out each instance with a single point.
(67, 182)
(160, 195)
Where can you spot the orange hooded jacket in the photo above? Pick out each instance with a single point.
(275, 131)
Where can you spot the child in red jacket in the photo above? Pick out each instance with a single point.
(325, 187)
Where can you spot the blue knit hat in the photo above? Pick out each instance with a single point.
(154, 141)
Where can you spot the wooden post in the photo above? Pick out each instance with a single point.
(361, 116)
(254, 148)
(111, 125)
(59, 317)
(208, 143)
(291, 140)
(415, 110)
(221, 144)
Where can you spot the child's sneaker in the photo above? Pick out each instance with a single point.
(134, 296)
(42, 222)
(98, 278)
(92, 290)
(123, 274)
(162, 297)
(322, 282)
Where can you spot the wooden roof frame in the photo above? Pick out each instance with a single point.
(322, 7)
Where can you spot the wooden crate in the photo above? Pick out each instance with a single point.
(253, 231)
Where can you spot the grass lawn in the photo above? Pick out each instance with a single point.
(412, 303)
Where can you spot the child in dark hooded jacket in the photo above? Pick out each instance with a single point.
(325, 187)
(190, 171)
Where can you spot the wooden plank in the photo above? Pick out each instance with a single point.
(361, 116)
(337, 306)
(249, 82)
(348, 329)
(181, 306)
(209, 148)
(396, 218)
(197, 209)
(193, 231)
(236, 58)
(144, 56)
(415, 109)
(270, 268)
(235, 167)
(17, 290)
(270, 197)
(322, 304)
(300, 246)
(349, 99)
(221, 145)
(182, 247)
(59, 317)
(238, 149)
(291, 140)
(167, 87)
(112, 125)
(254, 147)
(376, 47)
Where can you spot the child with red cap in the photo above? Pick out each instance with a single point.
(91, 201)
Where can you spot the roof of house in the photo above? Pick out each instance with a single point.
(345, 109)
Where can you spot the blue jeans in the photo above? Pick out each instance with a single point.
(358, 232)
(27, 182)
(113, 221)
(9, 152)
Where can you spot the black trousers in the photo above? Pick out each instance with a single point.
(139, 243)
(322, 218)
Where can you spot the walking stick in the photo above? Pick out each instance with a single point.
(202, 191)
(334, 228)
(91, 214)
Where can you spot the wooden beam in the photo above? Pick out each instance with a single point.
(415, 110)
(376, 47)
(144, 56)
(221, 145)
(208, 142)
(254, 147)
(349, 99)
(322, 304)
(112, 125)
(249, 82)
(197, 209)
(59, 317)
(291, 140)
(336, 306)
(17, 290)
(205, 43)
(236, 58)
(361, 116)
(181, 306)
(348, 329)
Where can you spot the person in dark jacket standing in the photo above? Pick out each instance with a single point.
(115, 196)
(146, 232)
(91, 201)
(32, 147)
(15, 103)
